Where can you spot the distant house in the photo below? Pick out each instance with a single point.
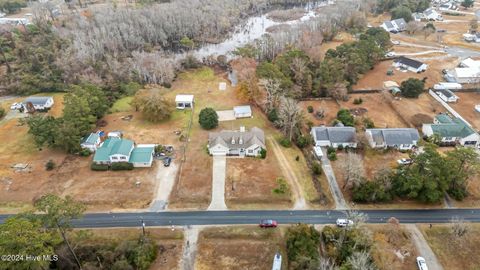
(409, 64)
(123, 150)
(184, 101)
(447, 95)
(394, 26)
(242, 111)
(334, 136)
(463, 75)
(432, 15)
(39, 103)
(472, 37)
(452, 131)
(398, 138)
(418, 17)
(236, 142)
(91, 142)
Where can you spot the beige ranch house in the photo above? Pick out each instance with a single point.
(236, 142)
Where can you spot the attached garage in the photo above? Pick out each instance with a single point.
(218, 150)
(142, 156)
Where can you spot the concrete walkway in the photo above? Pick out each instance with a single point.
(423, 248)
(218, 183)
(189, 248)
(287, 171)
(332, 183)
(164, 182)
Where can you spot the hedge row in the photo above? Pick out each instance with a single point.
(118, 166)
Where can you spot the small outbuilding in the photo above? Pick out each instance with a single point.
(184, 101)
(242, 111)
(447, 95)
(91, 142)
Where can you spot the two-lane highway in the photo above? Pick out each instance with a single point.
(181, 218)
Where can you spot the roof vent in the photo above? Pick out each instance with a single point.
(242, 129)
(233, 140)
(240, 140)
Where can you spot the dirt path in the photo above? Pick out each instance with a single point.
(189, 248)
(337, 194)
(287, 170)
(423, 248)
(165, 179)
(218, 183)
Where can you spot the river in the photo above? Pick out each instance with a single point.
(254, 28)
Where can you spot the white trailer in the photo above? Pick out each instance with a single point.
(447, 85)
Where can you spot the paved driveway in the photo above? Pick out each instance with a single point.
(218, 184)
(332, 182)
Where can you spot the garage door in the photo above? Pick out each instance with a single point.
(219, 153)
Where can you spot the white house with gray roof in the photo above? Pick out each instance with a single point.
(39, 103)
(236, 142)
(398, 138)
(334, 136)
(394, 26)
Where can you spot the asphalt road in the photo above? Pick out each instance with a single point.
(253, 217)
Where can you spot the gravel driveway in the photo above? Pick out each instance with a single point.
(218, 184)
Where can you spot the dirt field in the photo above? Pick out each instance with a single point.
(378, 110)
(239, 248)
(417, 111)
(466, 107)
(392, 248)
(170, 243)
(454, 253)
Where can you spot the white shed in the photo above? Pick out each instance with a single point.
(242, 111)
(184, 101)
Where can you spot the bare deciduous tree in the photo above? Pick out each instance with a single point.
(361, 261)
(351, 165)
(339, 91)
(326, 264)
(459, 226)
(290, 116)
(273, 93)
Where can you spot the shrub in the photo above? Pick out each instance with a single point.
(50, 165)
(412, 87)
(331, 150)
(358, 101)
(302, 141)
(297, 158)
(285, 142)
(316, 168)
(263, 153)
(371, 191)
(272, 115)
(282, 186)
(167, 85)
(332, 156)
(346, 117)
(310, 109)
(208, 118)
(340, 147)
(2, 112)
(85, 153)
(99, 167)
(368, 123)
(122, 166)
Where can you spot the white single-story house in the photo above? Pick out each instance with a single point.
(409, 64)
(398, 138)
(242, 111)
(394, 26)
(432, 15)
(91, 142)
(184, 101)
(447, 95)
(447, 85)
(470, 63)
(123, 150)
(464, 75)
(334, 136)
(452, 131)
(237, 142)
(39, 103)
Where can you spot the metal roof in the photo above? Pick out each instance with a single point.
(335, 134)
(92, 138)
(408, 62)
(37, 100)
(113, 146)
(395, 136)
(242, 109)
(184, 98)
(141, 155)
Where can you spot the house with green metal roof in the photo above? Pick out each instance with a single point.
(116, 149)
(452, 131)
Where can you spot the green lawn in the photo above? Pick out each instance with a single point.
(122, 105)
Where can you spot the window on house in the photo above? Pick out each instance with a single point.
(114, 158)
(250, 151)
(123, 158)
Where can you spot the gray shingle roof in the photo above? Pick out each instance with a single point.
(446, 93)
(335, 134)
(37, 100)
(226, 137)
(408, 62)
(394, 136)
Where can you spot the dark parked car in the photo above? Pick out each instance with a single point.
(268, 223)
(167, 161)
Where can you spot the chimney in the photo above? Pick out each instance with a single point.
(242, 129)
(233, 140)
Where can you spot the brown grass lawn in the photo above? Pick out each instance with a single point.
(417, 111)
(454, 253)
(397, 253)
(193, 188)
(170, 243)
(466, 108)
(239, 248)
